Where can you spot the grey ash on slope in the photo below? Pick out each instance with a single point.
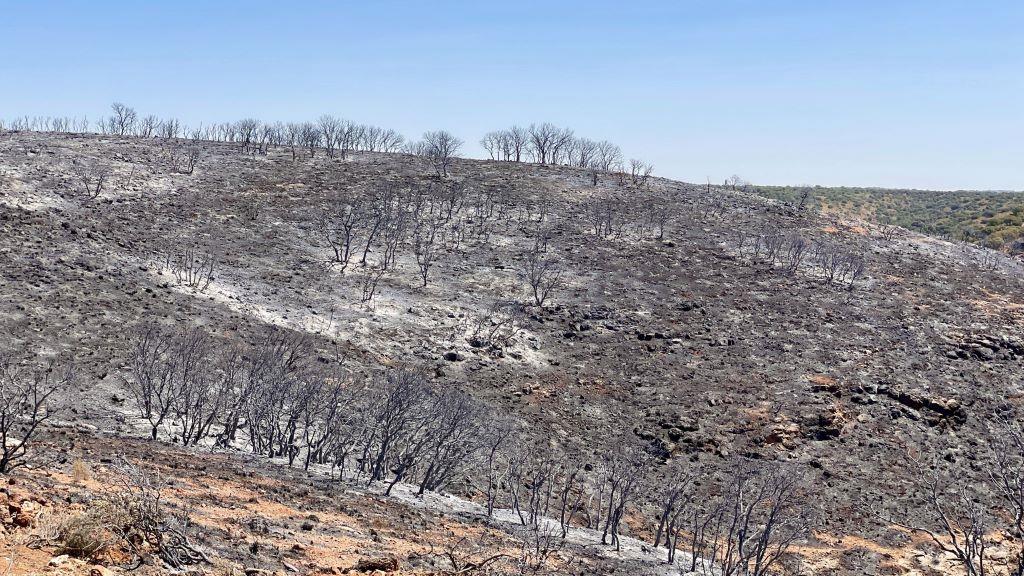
(693, 341)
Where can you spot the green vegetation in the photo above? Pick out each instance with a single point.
(993, 219)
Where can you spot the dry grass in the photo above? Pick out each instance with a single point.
(80, 472)
(81, 534)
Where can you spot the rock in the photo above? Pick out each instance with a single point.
(58, 561)
(5, 510)
(375, 564)
(938, 409)
(824, 425)
(688, 424)
(782, 433)
(598, 313)
(983, 353)
(24, 513)
(454, 356)
(825, 384)
(100, 571)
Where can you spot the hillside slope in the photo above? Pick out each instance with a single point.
(704, 324)
(991, 219)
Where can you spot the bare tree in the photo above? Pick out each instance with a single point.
(639, 172)
(169, 129)
(281, 394)
(310, 137)
(454, 438)
(583, 153)
(497, 438)
(350, 136)
(674, 493)
(605, 215)
(191, 158)
(425, 242)
(544, 275)
(201, 391)
(735, 182)
(561, 145)
(337, 226)
(92, 177)
(390, 141)
(498, 326)
(399, 419)
(247, 134)
(370, 281)
(376, 139)
(192, 267)
(571, 490)
(147, 127)
(330, 127)
(625, 464)
(659, 213)
(963, 522)
(153, 375)
(761, 511)
(25, 394)
(608, 156)
(492, 143)
(326, 415)
(518, 140)
(293, 134)
(975, 509)
(123, 119)
(462, 562)
(442, 148)
(394, 231)
(266, 375)
(543, 139)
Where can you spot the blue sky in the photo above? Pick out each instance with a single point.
(926, 94)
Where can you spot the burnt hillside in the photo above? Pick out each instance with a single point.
(704, 326)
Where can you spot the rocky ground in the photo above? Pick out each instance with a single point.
(249, 516)
(688, 340)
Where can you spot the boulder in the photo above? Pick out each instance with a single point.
(375, 564)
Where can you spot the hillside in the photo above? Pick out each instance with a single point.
(991, 219)
(679, 336)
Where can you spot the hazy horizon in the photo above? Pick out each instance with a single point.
(922, 95)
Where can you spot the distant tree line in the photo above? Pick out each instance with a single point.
(542, 143)
(548, 144)
(987, 218)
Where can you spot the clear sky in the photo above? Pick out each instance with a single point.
(915, 93)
